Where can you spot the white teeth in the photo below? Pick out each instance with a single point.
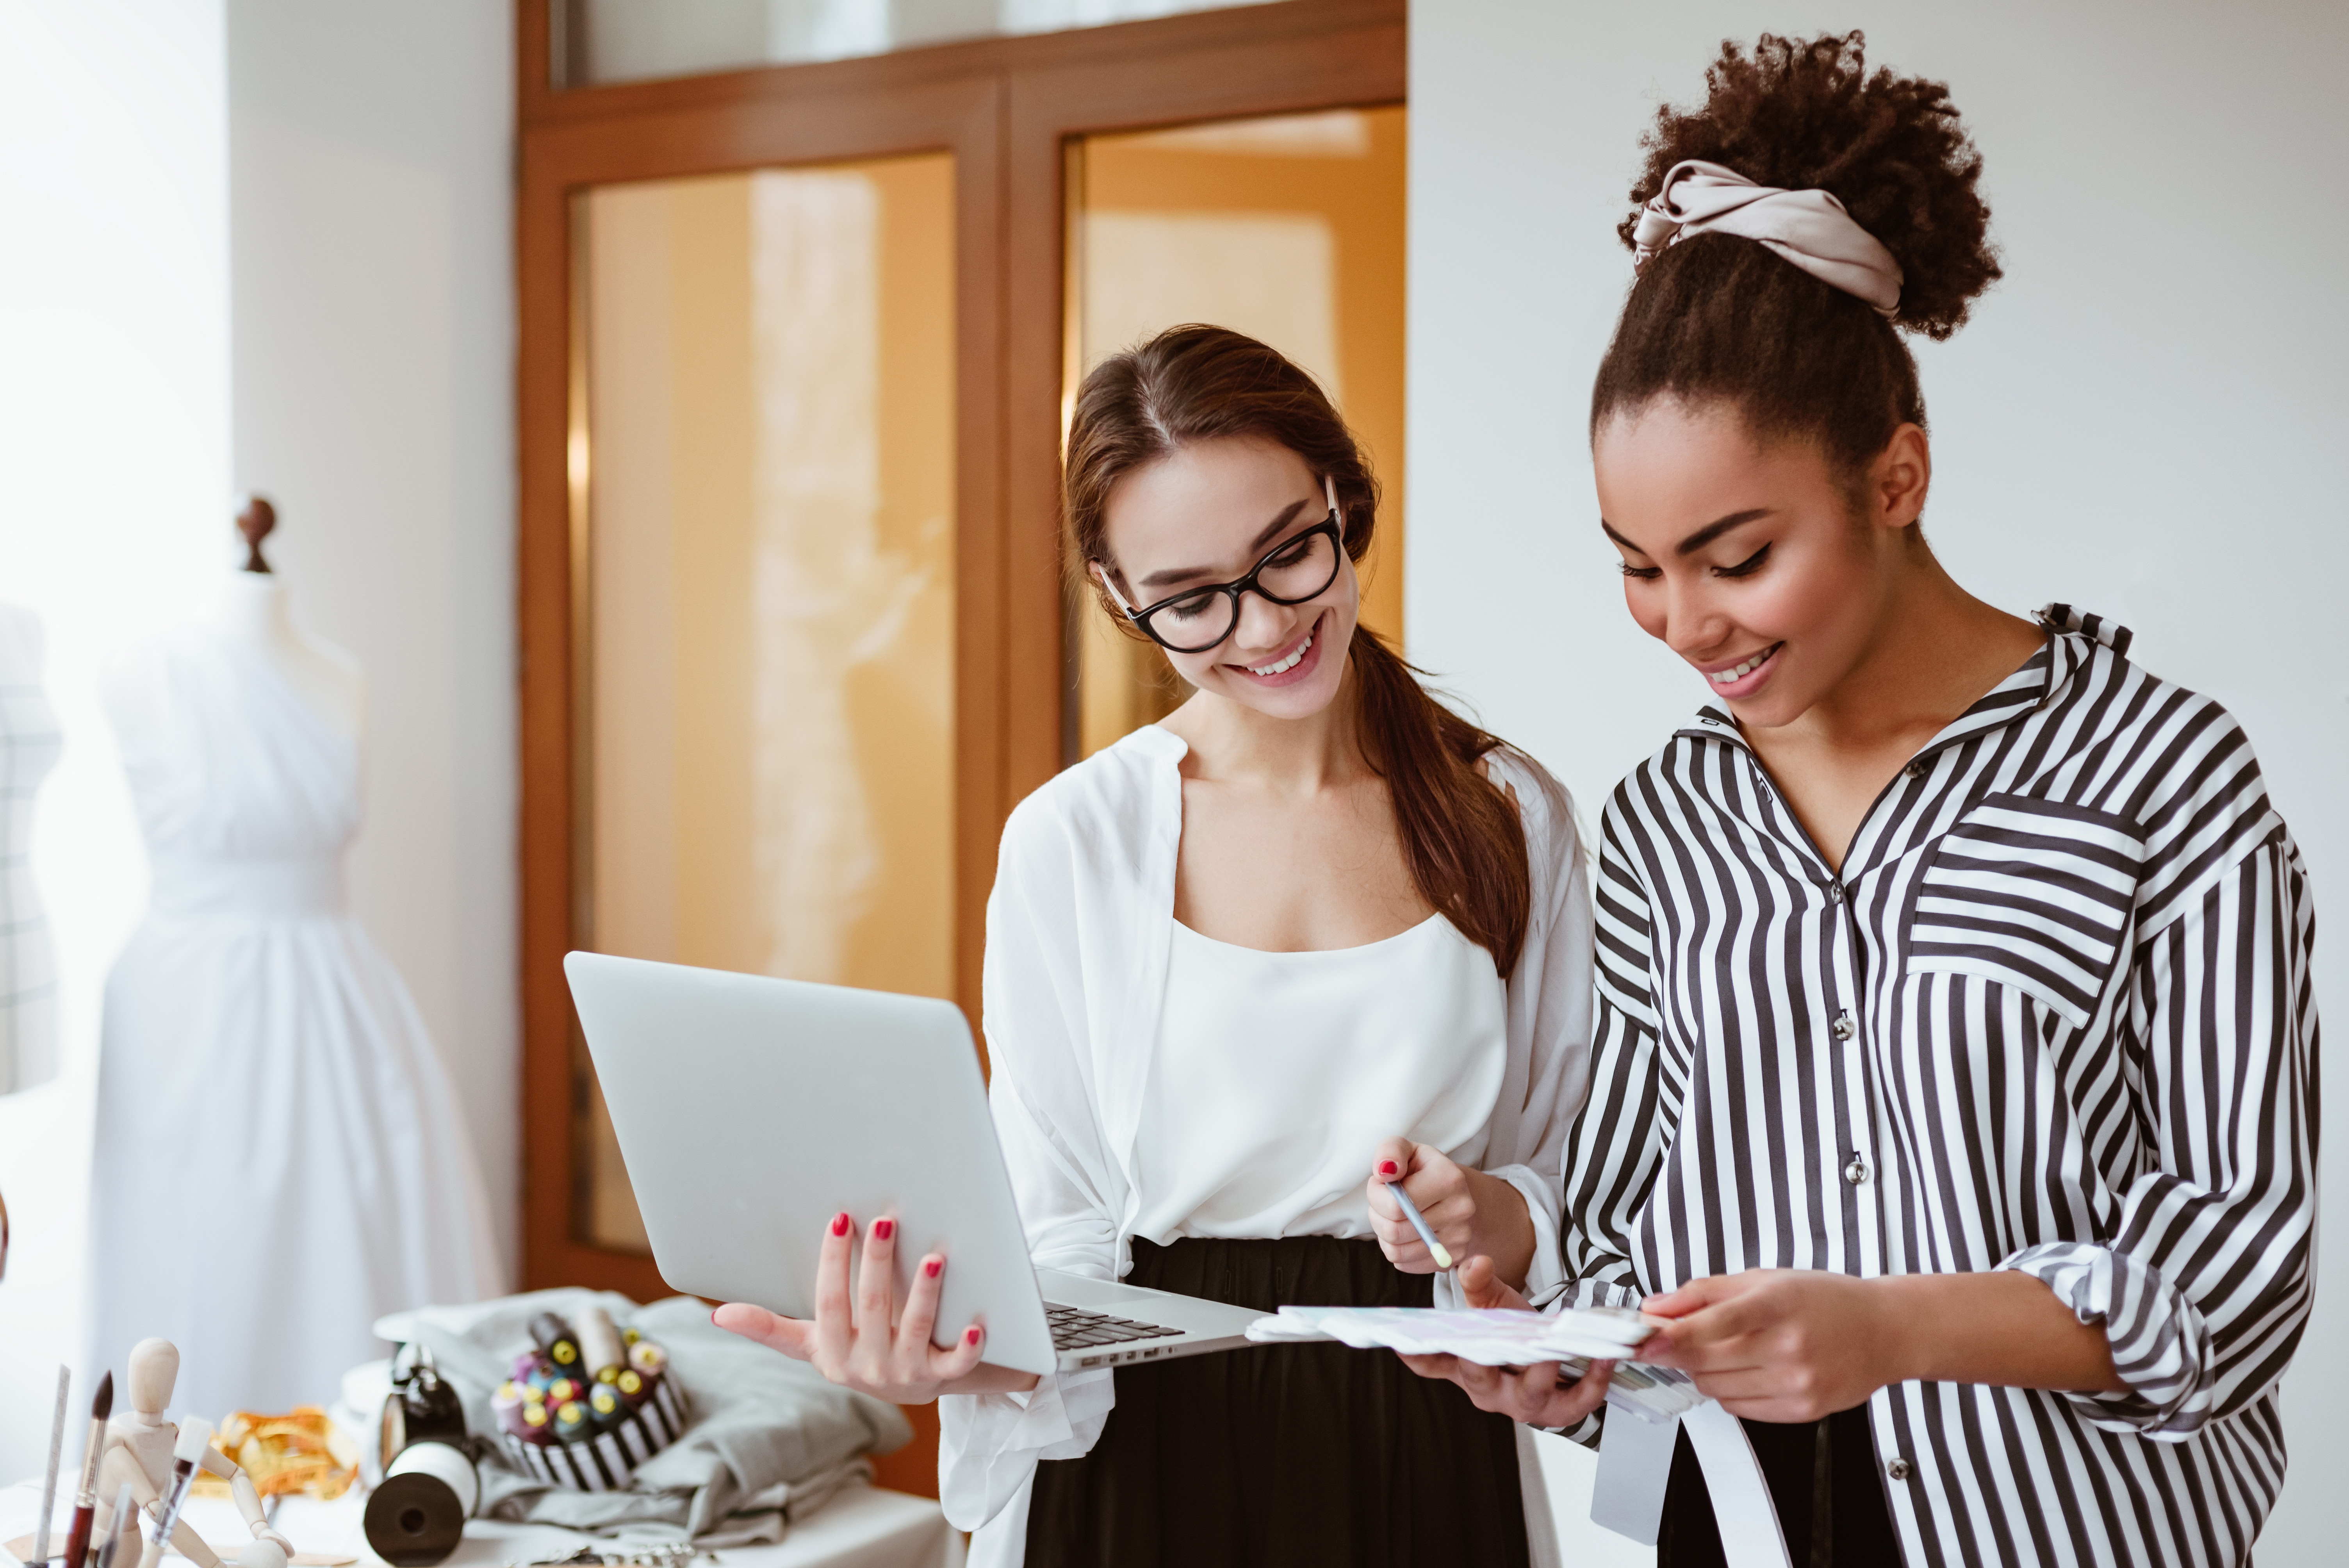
(1724, 677)
(1288, 664)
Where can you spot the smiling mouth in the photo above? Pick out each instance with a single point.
(1282, 667)
(1736, 673)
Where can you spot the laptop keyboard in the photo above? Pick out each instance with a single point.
(1074, 1328)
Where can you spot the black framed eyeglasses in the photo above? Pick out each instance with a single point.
(1298, 568)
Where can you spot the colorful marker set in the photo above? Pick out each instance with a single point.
(572, 1387)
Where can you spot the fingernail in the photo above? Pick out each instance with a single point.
(840, 1225)
(970, 1336)
(1387, 1167)
(883, 1229)
(713, 1317)
(932, 1268)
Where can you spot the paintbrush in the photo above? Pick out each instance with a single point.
(195, 1435)
(125, 1510)
(49, 1486)
(86, 1496)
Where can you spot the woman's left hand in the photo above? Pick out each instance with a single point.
(1780, 1345)
(1471, 1213)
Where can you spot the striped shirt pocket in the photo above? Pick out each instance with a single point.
(2030, 893)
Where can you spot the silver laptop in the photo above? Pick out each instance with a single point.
(749, 1111)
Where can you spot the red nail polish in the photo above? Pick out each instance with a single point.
(1386, 1166)
(883, 1229)
(840, 1225)
(970, 1336)
(713, 1317)
(932, 1268)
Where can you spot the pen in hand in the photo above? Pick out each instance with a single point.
(1435, 1249)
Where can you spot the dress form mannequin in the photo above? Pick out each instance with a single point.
(251, 1027)
(138, 1451)
(250, 606)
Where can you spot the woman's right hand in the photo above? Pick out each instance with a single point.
(1533, 1394)
(863, 1344)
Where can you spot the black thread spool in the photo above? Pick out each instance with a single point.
(417, 1517)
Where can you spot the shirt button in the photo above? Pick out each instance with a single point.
(1844, 1027)
(1857, 1171)
(1835, 892)
(1916, 769)
(1897, 1468)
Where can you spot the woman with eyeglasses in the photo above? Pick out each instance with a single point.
(1312, 934)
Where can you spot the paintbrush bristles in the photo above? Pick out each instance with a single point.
(195, 1435)
(123, 1508)
(103, 1406)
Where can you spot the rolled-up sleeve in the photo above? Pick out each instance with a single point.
(1549, 1005)
(1052, 1143)
(2204, 1284)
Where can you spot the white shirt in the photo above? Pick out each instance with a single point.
(1079, 933)
(1277, 1074)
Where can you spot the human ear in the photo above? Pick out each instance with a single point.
(1898, 478)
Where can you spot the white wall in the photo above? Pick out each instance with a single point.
(2136, 421)
(113, 485)
(355, 162)
(370, 202)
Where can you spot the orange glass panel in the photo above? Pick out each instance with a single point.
(765, 453)
(1289, 229)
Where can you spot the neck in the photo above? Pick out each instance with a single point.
(1936, 651)
(1230, 740)
(251, 605)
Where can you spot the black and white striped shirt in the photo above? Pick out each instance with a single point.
(2053, 1015)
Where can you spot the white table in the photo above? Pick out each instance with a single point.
(862, 1527)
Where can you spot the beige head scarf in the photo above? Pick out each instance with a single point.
(1808, 228)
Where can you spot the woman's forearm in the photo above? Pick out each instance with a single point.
(1503, 1230)
(2002, 1328)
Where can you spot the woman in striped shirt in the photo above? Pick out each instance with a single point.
(1954, 1091)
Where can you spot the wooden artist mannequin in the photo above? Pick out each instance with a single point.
(250, 607)
(138, 1451)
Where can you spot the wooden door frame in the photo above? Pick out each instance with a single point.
(1006, 108)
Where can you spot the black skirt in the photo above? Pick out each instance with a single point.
(1287, 1455)
(1823, 1476)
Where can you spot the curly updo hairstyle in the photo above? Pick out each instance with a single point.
(1718, 318)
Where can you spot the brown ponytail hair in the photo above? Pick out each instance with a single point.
(1461, 834)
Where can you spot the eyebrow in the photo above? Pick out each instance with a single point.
(1185, 573)
(1700, 538)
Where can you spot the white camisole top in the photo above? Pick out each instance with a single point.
(1277, 1075)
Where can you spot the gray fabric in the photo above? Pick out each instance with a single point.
(755, 1421)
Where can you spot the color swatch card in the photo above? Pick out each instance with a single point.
(1496, 1337)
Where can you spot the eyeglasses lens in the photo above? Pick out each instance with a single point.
(1296, 572)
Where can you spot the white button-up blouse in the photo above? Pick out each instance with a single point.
(1079, 930)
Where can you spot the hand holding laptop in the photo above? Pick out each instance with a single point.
(862, 1342)
(727, 1089)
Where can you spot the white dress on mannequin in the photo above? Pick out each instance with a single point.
(281, 1157)
(30, 742)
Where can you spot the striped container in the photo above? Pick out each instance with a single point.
(607, 1463)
